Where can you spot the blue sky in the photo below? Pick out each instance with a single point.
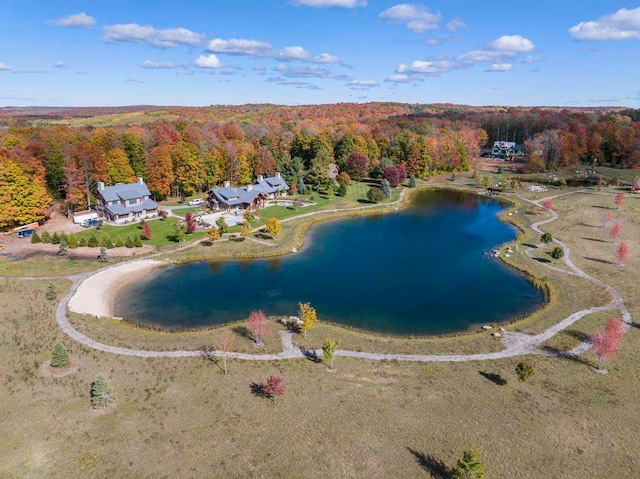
(194, 52)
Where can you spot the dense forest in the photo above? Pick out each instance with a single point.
(57, 153)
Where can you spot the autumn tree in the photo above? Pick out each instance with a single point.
(258, 326)
(357, 166)
(395, 174)
(469, 467)
(146, 231)
(606, 218)
(308, 316)
(274, 387)
(22, 199)
(213, 234)
(607, 342)
(547, 205)
(101, 392)
(224, 347)
(619, 200)
(221, 223)
(59, 356)
(375, 194)
(274, 226)
(190, 223)
(118, 167)
(329, 348)
(622, 252)
(615, 232)
(160, 172)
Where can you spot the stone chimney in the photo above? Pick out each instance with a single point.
(260, 178)
(100, 186)
(227, 184)
(278, 175)
(140, 180)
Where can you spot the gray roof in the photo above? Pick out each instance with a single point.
(234, 196)
(124, 192)
(121, 209)
(277, 183)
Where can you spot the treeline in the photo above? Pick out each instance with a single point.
(187, 150)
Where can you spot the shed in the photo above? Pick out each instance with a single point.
(80, 217)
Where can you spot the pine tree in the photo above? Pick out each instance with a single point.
(83, 242)
(55, 239)
(119, 242)
(412, 180)
(137, 242)
(35, 238)
(101, 392)
(46, 237)
(386, 188)
(51, 293)
(60, 356)
(103, 257)
(63, 248)
(470, 466)
(93, 242)
(129, 242)
(73, 241)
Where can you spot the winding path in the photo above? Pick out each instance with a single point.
(515, 344)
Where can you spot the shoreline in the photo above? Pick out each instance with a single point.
(95, 295)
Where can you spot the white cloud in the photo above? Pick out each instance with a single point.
(416, 17)
(362, 85)
(530, 60)
(401, 78)
(240, 46)
(480, 56)
(427, 68)
(208, 61)
(259, 49)
(78, 20)
(167, 38)
(500, 67)
(5, 68)
(622, 25)
(455, 25)
(329, 3)
(313, 71)
(151, 65)
(512, 44)
(60, 65)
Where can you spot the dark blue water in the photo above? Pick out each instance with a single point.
(421, 270)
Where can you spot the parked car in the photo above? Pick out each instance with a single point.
(25, 233)
(92, 223)
(196, 202)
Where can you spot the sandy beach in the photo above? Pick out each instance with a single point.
(96, 294)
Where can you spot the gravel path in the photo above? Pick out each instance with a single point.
(515, 344)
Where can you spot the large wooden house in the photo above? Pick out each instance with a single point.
(506, 150)
(248, 197)
(123, 203)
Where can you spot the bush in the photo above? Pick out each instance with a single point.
(35, 238)
(110, 245)
(93, 242)
(103, 257)
(55, 239)
(163, 214)
(104, 239)
(59, 356)
(342, 189)
(63, 248)
(375, 194)
(557, 253)
(46, 237)
(129, 242)
(51, 293)
(119, 242)
(137, 242)
(82, 242)
(73, 241)
(546, 238)
(221, 223)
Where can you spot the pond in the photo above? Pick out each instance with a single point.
(417, 271)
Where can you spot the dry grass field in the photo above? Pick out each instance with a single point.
(177, 418)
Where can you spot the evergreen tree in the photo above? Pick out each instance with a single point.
(63, 248)
(55, 239)
(342, 189)
(546, 238)
(386, 188)
(412, 181)
(119, 242)
(104, 239)
(129, 242)
(302, 189)
(51, 293)
(93, 242)
(110, 244)
(137, 242)
(470, 466)
(557, 252)
(73, 241)
(82, 242)
(221, 223)
(60, 356)
(103, 257)
(101, 392)
(35, 238)
(46, 237)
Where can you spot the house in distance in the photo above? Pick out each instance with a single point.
(123, 203)
(248, 197)
(506, 150)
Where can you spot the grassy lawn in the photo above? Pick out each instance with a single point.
(162, 232)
